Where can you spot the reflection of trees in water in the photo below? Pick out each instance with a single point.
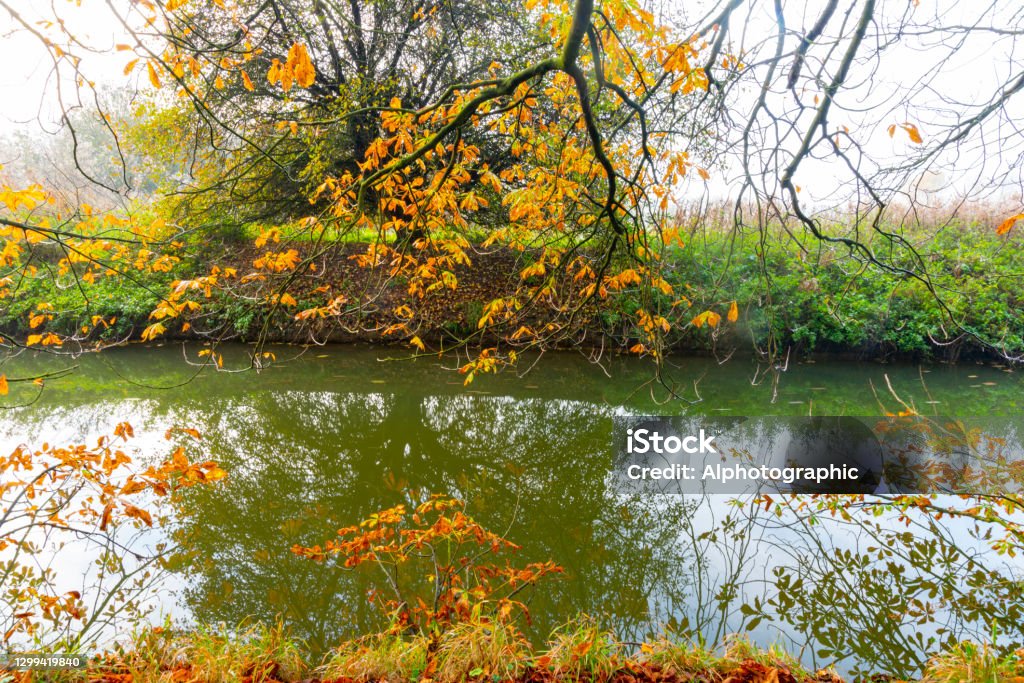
(303, 464)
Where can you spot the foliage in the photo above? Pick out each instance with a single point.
(911, 573)
(276, 116)
(426, 166)
(459, 586)
(824, 304)
(262, 654)
(253, 652)
(680, 657)
(569, 155)
(972, 663)
(52, 497)
(378, 657)
(486, 648)
(582, 650)
(579, 123)
(826, 301)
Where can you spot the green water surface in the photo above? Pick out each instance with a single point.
(325, 437)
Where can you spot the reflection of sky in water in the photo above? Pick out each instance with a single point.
(306, 456)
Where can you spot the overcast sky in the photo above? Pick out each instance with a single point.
(969, 75)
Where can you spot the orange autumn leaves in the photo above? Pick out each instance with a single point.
(712, 319)
(462, 582)
(84, 491)
(911, 129)
(296, 69)
(554, 190)
(104, 470)
(1006, 226)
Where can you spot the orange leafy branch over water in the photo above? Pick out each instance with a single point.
(51, 496)
(464, 583)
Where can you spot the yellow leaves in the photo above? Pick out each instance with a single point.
(734, 312)
(496, 308)
(278, 262)
(471, 201)
(623, 279)
(27, 198)
(3, 385)
(650, 323)
(394, 328)
(48, 339)
(662, 286)
(301, 64)
(139, 514)
(108, 512)
(297, 68)
(274, 74)
(707, 317)
(9, 255)
(166, 309)
(217, 358)
(288, 300)
(213, 472)
(273, 234)
(334, 307)
(490, 180)
(154, 79)
(1007, 225)
(38, 318)
(522, 332)
(247, 82)
(535, 269)
(912, 132)
(189, 431)
(153, 331)
(124, 430)
(87, 489)
(133, 485)
(418, 343)
(487, 361)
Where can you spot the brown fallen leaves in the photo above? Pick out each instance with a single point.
(749, 671)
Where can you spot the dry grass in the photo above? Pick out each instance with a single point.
(972, 663)
(381, 657)
(256, 653)
(481, 648)
(581, 649)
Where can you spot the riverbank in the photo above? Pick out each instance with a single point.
(788, 300)
(579, 652)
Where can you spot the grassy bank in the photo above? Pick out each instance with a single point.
(789, 299)
(479, 652)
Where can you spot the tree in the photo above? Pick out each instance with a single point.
(240, 63)
(584, 138)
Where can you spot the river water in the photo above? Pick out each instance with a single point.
(324, 437)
